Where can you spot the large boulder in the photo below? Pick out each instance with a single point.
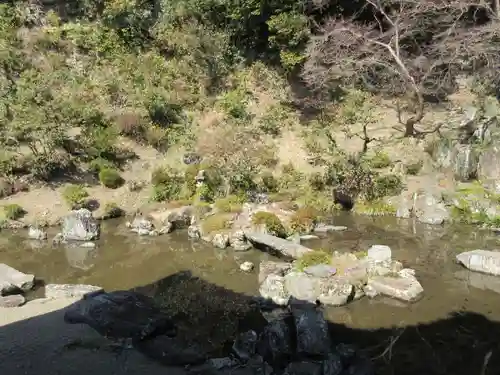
(481, 260)
(12, 280)
(80, 225)
(429, 208)
(277, 245)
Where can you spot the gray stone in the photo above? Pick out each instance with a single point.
(279, 245)
(37, 234)
(430, 209)
(336, 292)
(402, 287)
(383, 268)
(245, 345)
(267, 268)
(11, 280)
(320, 270)
(194, 232)
(313, 338)
(329, 291)
(141, 225)
(379, 253)
(273, 288)
(275, 342)
(239, 242)
(69, 290)
(489, 168)
(246, 266)
(12, 301)
(80, 225)
(220, 240)
(481, 261)
(302, 287)
(166, 228)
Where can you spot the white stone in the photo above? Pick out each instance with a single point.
(69, 290)
(379, 253)
(481, 260)
(273, 288)
(246, 266)
(403, 288)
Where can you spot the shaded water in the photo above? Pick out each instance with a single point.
(158, 265)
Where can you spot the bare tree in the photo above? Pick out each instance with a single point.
(410, 48)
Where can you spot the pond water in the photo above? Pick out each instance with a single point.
(195, 279)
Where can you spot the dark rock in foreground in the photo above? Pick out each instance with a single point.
(121, 315)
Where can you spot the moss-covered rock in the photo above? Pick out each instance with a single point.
(313, 258)
(271, 223)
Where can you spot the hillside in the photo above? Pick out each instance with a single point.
(103, 101)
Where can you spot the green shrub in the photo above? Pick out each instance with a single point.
(110, 178)
(111, 210)
(269, 183)
(13, 211)
(317, 181)
(414, 168)
(99, 164)
(167, 184)
(231, 203)
(304, 220)
(313, 258)
(380, 160)
(271, 222)
(75, 195)
(388, 185)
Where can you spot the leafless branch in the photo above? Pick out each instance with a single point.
(410, 48)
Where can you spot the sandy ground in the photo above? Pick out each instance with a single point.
(34, 340)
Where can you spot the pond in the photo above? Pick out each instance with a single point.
(202, 282)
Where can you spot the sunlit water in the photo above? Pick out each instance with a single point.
(123, 260)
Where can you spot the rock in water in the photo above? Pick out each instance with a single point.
(12, 281)
(37, 234)
(481, 261)
(69, 290)
(80, 225)
(121, 315)
(313, 338)
(12, 301)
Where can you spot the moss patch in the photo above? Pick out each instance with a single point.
(231, 203)
(216, 222)
(313, 258)
(376, 207)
